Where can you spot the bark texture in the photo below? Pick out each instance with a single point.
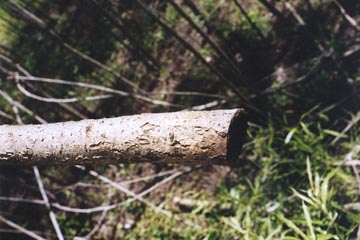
(196, 137)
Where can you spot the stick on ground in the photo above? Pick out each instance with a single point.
(195, 137)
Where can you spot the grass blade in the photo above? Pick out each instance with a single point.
(308, 220)
(292, 225)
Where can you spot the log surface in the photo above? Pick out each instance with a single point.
(194, 137)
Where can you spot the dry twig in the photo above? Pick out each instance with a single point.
(350, 19)
(353, 122)
(47, 203)
(21, 229)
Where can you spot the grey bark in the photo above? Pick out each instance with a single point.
(194, 137)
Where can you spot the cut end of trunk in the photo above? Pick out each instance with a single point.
(236, 137)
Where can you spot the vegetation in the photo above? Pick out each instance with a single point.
(293, 65)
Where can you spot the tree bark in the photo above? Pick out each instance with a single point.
(194, 137)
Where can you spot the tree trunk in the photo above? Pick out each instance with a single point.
(196, 137)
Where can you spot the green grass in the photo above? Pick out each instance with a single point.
(6, 35)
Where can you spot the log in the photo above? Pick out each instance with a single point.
(192, 138)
